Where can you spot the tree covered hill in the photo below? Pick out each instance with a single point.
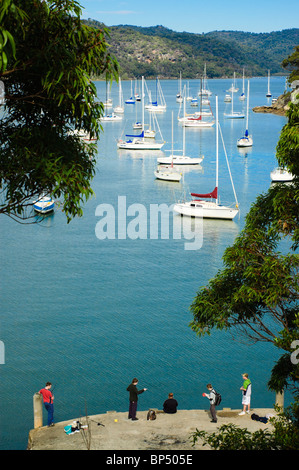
(159, 51)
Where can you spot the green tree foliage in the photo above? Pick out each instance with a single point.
(257, 292)
(47, 57)
(283, 435)
(292, 64)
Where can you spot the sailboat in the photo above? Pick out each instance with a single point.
(189, 97)
(120, 108)
(108, 102)
(150, 133)
(181, 159)
(179, 96)
(233, 114)
(246, 140)
(109, 117)
(242, 96)
(137, 94)
(204, 91)
(197, 120)
(44, 205)
(168, 173)
(281, 175)
(208, 209)
(138, 142)
(160, 104)
(130, 100)
(268, 94)
(233, 88)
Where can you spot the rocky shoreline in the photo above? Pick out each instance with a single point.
(270, 109)
(281, 106)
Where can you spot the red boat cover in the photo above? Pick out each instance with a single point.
(213, 194)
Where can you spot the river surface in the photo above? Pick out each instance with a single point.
(89, 314)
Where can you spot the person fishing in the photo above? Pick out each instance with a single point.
(48, 398)
(133, 398)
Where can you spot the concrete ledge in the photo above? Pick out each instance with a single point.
(114, 431)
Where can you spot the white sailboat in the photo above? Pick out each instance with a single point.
(204, 91)
(44, 205)
(150, 132)
(233, 114)
(181, 159)
(168, 173)
(179, 96)
(208, 209)
(246, 140)
(281, 175)
(112, 117)
(137, 94)
(233, 88)
(200, 120)
(189, 97)
(268, 94)
(139, 142)
(130, 100)
(160, 104)
(242, 96)
(120, 108)
(85, 136)
(108, 103)
(227, 98)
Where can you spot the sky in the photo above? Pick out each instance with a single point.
(196, 16)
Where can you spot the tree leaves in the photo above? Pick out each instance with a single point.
(257, 290)
(49, 93)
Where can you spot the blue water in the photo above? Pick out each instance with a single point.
(89, 314)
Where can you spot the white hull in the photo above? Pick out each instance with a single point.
(179, 160)
(198, 123)
(150, 134)
(44, 205)
(83, 135)
(156, 109)
(234, 116)
(281, 175)
(205, 209)
(245, 142)
(204, 93)
(139, 144)
(119, 110)
(111, 118)
(167, 174)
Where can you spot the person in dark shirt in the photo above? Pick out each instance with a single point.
(133, 397)
(170, 405)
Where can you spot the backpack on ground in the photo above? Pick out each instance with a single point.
(151, 415)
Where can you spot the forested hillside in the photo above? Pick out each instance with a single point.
(159, 51)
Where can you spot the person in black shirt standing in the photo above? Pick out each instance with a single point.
(133, 397)
(170, 405)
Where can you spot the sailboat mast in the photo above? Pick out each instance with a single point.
(247, 111)
(142, 98)
(184, 129)
(217, 147)
(172, 139)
